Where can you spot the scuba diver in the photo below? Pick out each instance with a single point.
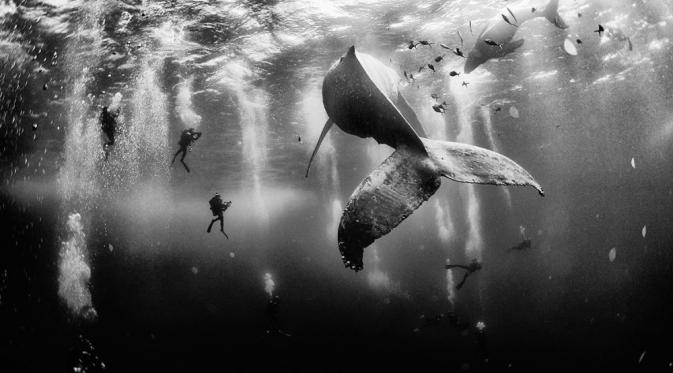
(272, 310)
(474, 266)
(187, 138)
(108, 120)
(525, 243)
(218, 207)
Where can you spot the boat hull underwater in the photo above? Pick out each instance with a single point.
(361, 96)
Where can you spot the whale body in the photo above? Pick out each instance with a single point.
(501, 33)
(361, 96)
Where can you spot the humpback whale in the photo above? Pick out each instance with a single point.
(502, 33)
(361, 96)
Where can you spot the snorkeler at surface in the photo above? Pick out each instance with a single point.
(108, 120)
(218, 207)
(474, 266)
(186, 140)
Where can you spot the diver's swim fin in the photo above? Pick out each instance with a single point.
(325, 129)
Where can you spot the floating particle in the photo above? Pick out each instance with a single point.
(34, 126)
(644, 231)
(642, 356)
(45, 87)
(232, 254)
(195, 270)
(569, 47)
(480, 326)
(514, 112)
(110, 247)
(612, 255)
(633, 163)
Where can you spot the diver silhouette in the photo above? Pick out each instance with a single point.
(108, 120)
(218, 207)
(187, 138)
(474, 266)
(273, 323)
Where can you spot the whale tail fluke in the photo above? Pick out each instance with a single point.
(383, 200)
(552, 15)
(405, 180)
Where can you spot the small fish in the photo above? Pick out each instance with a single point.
(438, 108)
(460, 37)
(579, 15)
(435, 96)
(298, 138)
(425, 42)
(445, 46)
(471, 27)
(458, 53)
(532, 10)
(513, 16)
(465, 84)
(431, 67)
(492, 43)
(411, 76)
(421, 68)
(504, 17)
(600, 30)
(630, 44)
(578, 41)
(454, 73)
(439, 58)
(34, 126)
(406, 76)
(412, 45)
(498, 109)
(45, 87)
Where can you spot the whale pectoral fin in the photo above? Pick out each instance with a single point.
(325, 129)
(409, 115)
(512, 46)
(471, 164)
(383, 200)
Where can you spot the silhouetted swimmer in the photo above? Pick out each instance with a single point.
(108, 121)
(272, 311)
(218, 207)
(186, 140)
(474, 266)
(523, 245)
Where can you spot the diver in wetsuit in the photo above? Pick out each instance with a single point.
(218, 207)
(525, 244)
(474, 266)
(108, 121)
(187, 138)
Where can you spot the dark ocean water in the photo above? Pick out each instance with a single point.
(134, 282)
